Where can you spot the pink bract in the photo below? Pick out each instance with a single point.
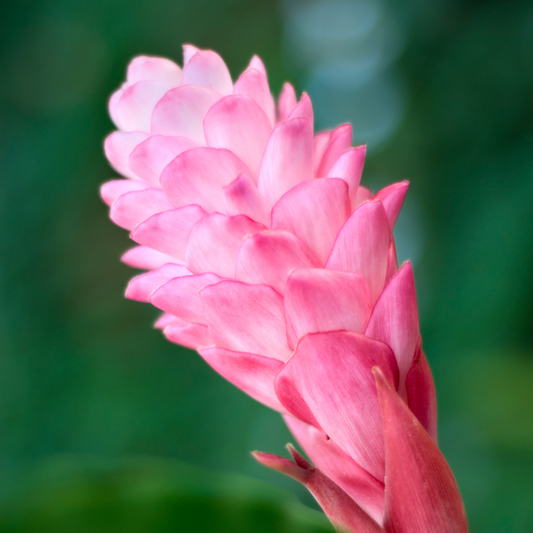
(269, 258)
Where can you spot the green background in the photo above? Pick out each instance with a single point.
(93, 401)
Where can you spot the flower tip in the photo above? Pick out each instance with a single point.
(129, 293)
(266, 458)
(189, 51)
(104, 193)
(257, 64)
(134, 232)
(283, 465)
(404, 184)
(257, 455)
(132, 290)
(298, 458)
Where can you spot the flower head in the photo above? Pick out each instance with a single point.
(268, 257)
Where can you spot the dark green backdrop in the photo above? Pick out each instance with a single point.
(94, 403)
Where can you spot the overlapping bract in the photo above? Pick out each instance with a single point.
(268, 257)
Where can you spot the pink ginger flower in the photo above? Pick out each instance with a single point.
(268, 258)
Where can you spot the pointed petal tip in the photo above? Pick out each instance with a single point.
(361, 148)
(257, 63)
(406, 268)
(378, 375)
(298, 457)
(189, 50)
(282, 464)
(382, 383)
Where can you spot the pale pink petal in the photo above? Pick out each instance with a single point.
(392, 262)
(198, 175)
(320, 144)
(189, 51)
(325, 300)
(362, 246)
(132, 208)
(349, 167)
(288, 159)
(141, 287)
(238, 124)
(254, 83)
(339, 141)
(421, 393)
(181, 112)
(113, 104)
(257, 64)
(366, 490)
(146, 258)
(242, 197)
(207, 69)
(331, 374)
(287, 102)
(215, 241)
(420, 494)
(181, 297)
(343, 512)
(118, 147)
(193, 336)
(246, 318)
(111, 190)
(304, 109)
(314, 211)
(394, 320)
(254, 374)
(168, 320)
(392, 198)
(134, 109)
(269, 257)
(150, 157)
(168, 232)
(154, 68)
(363, 194)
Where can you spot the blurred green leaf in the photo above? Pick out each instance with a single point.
(142, 494)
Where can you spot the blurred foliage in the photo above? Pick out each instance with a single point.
(82, 372)
(136, 495)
